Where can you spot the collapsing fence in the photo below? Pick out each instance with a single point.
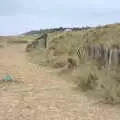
(40, 42)
(107, 56)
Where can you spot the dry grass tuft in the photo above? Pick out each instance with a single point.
(88, 82)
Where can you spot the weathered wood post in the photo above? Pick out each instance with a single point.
(107, 56)
(45, 38)
(42, 40)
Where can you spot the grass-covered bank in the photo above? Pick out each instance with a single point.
(62, 54)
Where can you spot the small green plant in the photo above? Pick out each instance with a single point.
(8, 78)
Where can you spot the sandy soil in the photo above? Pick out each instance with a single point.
(39, 95)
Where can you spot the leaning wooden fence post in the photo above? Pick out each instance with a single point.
(110, 59)
(45, 38)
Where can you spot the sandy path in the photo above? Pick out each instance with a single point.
(41, 96)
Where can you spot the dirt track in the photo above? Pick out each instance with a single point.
(39, 95)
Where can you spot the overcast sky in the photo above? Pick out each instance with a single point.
(17, 16)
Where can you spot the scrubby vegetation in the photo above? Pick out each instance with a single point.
(52, 30)
(89, 75)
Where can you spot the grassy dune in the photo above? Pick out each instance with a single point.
(62, 54)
